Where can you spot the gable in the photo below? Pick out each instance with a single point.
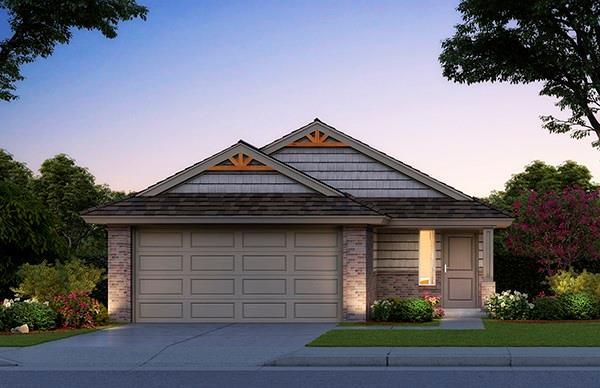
(240, 168)
(229, 182)
(354, 167)
(354, 173)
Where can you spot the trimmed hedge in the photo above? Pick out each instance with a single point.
(402, 310)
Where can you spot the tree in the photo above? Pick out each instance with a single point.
(26, 226)
(38, 26)
(556, 42)
(67, 189)
(558, 229)
(542, 178)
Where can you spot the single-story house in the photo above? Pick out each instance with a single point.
(312, 227)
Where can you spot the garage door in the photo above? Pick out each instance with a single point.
(237, 275)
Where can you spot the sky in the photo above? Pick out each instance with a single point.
(197, 76)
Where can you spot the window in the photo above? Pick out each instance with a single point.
(426, 257)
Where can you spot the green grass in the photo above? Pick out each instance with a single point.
(372, 323)
(39, 337)
(496, 333)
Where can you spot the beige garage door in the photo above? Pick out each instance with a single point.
(237, 275)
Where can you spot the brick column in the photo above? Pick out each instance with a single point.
(119, 273)
(356, 262)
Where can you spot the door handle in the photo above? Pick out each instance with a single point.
(445, 268)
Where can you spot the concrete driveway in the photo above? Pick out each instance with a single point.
(169, 346)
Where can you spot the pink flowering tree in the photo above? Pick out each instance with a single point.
(558, 229)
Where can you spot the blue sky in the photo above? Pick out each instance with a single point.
(198, 76)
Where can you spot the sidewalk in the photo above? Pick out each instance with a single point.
(423, 356)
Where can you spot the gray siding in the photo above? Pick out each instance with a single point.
(351, 171)
(241, 182)
(398, 249)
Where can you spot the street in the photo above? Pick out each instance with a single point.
(313, 377)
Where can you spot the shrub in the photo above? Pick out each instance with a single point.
(580, 306)
(412, 310)
(36, 315)
(3, 325)
(435, 301)
(45, 281)
(78, 309)
(508, 305)
(381, 310)
(569, 282)
(549, 308)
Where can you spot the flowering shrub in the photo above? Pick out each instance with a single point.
(557, 229)
(36, 315)
(78, 309)
(508, 305)
(435, 301)
(381, 310)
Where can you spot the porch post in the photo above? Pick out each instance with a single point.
(487, 285)
(488, 254)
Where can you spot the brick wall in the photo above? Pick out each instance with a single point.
(355, 272)
(405, 284)
(119, 273)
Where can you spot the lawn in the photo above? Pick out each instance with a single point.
(39, 337)
(373, 323)
(496, 333)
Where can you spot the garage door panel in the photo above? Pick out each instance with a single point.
(264, 262)
(160, 263)
(264, 286)
(264, 310)
(315, 310)
(213, 239)
(213, 286)
(161, 286)
(213, 262)
(315, 286)
(317, 263)
(161, 310)
(264, 239)
(237, 275)
(161, 239)
(213, 310)
(315, 239)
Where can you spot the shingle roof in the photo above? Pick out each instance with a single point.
(286, 205)
(432, 208)
(203, 205)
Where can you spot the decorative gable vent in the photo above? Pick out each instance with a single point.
(240, 162)
(317, 139)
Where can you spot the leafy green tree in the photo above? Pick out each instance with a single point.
(542, 178)
(555, 42)
(67, 189)
(26, 225)
(38, 26)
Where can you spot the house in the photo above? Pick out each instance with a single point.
(312, 227)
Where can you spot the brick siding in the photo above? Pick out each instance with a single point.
(356, 272)
(119, 273)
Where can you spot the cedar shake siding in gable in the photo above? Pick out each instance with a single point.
(241, 182)
(352, 172)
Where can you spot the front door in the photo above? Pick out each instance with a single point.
(460, 270)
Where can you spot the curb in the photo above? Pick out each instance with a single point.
(440, 357)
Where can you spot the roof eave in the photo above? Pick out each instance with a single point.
(496, 223)
(325, 220)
